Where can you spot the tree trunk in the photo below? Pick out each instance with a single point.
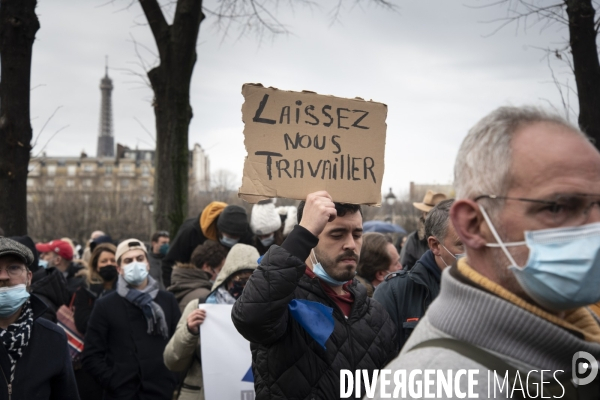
(171, 84)
(586, 65)
(18, 25)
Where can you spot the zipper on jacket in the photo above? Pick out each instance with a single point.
(9, 385)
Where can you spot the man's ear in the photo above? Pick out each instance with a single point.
(206, 268)
(467, 220)
(434, 245)
(380, 275)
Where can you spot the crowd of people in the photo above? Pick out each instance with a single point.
(505, 275)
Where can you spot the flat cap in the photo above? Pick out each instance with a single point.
(14, 248)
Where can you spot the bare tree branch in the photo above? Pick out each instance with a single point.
(44, 126)
(146, 130)
(49, 140)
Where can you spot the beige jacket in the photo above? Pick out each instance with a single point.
(182, 354)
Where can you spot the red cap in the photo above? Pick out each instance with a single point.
(59, 247)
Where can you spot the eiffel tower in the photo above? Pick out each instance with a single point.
(106, 144)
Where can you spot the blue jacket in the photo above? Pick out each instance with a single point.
(44, 371)
(406, 295)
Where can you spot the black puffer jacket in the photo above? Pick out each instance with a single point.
(286, 361)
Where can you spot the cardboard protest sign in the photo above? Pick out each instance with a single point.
(302, 142)
(226, 357)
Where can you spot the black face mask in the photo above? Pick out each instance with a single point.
(237, 289)
(108, 273)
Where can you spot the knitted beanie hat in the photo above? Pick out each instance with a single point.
(264, 219)
(233, 220)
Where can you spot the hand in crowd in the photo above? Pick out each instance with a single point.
(318, 210)
(194, 320)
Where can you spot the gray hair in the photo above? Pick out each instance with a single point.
(484, 159)
(436, 223)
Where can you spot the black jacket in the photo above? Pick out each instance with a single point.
(287, 362)
(155, 261)
(188, 237)
(85, 297)
(44, 371)
(74, 282)
(406, 295)
(121, 355)
(50, 286)
(413, 250)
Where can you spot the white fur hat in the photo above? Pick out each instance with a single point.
(291, 214)
(264, 219)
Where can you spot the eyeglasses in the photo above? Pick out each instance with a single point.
(568, 210)
(13, 271)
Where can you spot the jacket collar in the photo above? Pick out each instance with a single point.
(426, 269)
(38, 306)
(359, 292)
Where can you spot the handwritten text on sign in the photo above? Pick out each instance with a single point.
(301, 142)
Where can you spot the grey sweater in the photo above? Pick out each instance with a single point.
(464, 312)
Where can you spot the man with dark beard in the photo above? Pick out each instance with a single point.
(305, 315)
(416, 243)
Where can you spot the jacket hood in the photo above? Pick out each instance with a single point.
(239, 258)
(209, 217)
(186, 278)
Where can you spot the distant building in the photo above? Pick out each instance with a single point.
(417, 190)
(200, 174)
(130, 172)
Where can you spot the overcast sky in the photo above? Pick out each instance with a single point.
(432, 62)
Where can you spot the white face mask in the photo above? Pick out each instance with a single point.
(455, 256)
(228, 242)
(266, 242)
(134, 273)
(563, 268)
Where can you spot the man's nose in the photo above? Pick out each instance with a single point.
(4, 275)
(350, 243)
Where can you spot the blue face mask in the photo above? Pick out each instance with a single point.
(43, 263)
(135, 273)
(11, 299)
(228, 242)
(164, 249)
(322, 274)
(268, 241)
(563, 269)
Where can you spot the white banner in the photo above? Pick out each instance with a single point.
(226, 357)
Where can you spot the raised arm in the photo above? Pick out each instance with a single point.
(261, 312)
(180, 350)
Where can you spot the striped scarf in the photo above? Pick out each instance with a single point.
(16, 337)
